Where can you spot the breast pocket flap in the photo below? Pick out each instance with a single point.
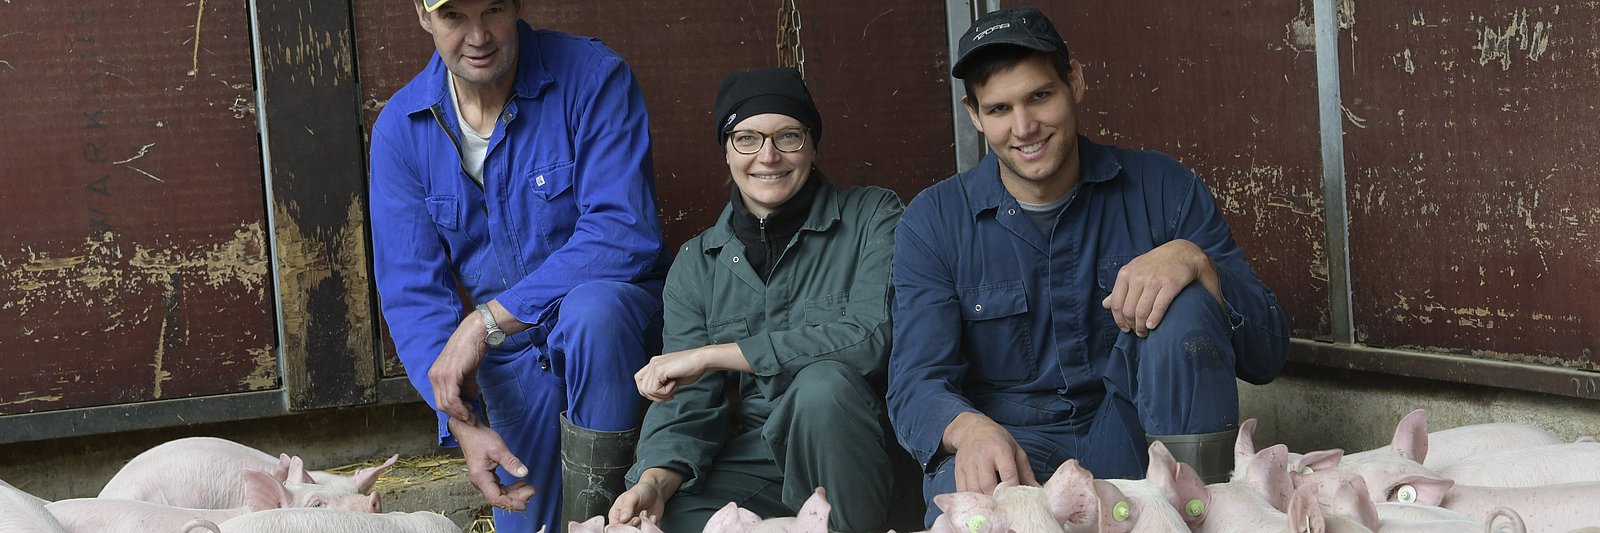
(998, 300)
(445, 211)
(552, 180)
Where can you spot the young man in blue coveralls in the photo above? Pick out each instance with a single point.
(1066, 299)
(516, 166)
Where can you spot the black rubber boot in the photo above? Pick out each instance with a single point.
(1210, 454)
(594, 465)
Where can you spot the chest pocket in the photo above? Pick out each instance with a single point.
(825, 310)
(996, 333)
(450, 218)
(1105, 280)
(555, 210)
(728, 330)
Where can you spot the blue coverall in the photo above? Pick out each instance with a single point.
(563, 233)
(996, 317)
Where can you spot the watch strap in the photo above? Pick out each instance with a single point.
(490, 326)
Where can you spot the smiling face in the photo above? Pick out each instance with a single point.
(1028, 115)
(477, 39)
(769, 177)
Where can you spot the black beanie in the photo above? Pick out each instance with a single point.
(769, 90)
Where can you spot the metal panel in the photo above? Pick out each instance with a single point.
(134, 264)
(959, 15)
(1330, 118)
(167, 413)
(1465, 369)
(1230, 90)
(1470, 134)
(311, 128)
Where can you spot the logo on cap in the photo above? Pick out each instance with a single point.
(730, 120)
(991, 29)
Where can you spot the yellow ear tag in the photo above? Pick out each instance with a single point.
(976, 522)
(1195, 508)
(1121, 511)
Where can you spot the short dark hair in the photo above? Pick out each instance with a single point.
(991, 60)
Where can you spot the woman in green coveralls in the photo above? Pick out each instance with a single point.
(776, 334)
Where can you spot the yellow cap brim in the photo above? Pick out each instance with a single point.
(431, 5)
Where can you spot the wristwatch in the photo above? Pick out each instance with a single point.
(495, 335)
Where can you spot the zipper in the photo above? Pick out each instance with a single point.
(767, 245)
(438, 117)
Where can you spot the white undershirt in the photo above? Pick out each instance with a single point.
(474, 145)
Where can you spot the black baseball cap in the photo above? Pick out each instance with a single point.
(1024, 26)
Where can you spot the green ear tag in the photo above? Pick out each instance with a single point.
(1121, 511)
(1195, 508)
(975, 523)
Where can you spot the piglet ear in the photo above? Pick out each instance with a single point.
(1350, 499)
(1116, 511)
(1423, 490)
(813, 515)
(1244, 446)
(1069, 494)
(1411, 436)
(1305, 514)
(595, 524)
(647, 524)
(282, 470)
(262, 491)
(1318, 461)
(297, 471)
(1268, 474)
(967, 511)
(732, 519)
(367, 477)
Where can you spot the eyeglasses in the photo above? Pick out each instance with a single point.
(786, 140)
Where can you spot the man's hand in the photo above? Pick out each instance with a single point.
(483, 450)
(1147, 285)
(986, 454)
(455, 372)
(646, 499)
(660, 379)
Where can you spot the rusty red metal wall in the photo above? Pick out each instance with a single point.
(134, 261)
(135, 264)
(877, 70)
(1230, 90)
(1471, 140)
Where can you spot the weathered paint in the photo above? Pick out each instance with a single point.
(327, 326)
(318, 202)
(1233, 96)
(134, 262)
(1470, 170)
(99, 324)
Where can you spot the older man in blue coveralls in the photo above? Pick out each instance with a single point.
(1066, 299)
(516, 167)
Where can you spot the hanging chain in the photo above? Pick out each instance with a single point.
(790, 52)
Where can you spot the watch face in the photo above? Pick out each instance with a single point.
(495, 338)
